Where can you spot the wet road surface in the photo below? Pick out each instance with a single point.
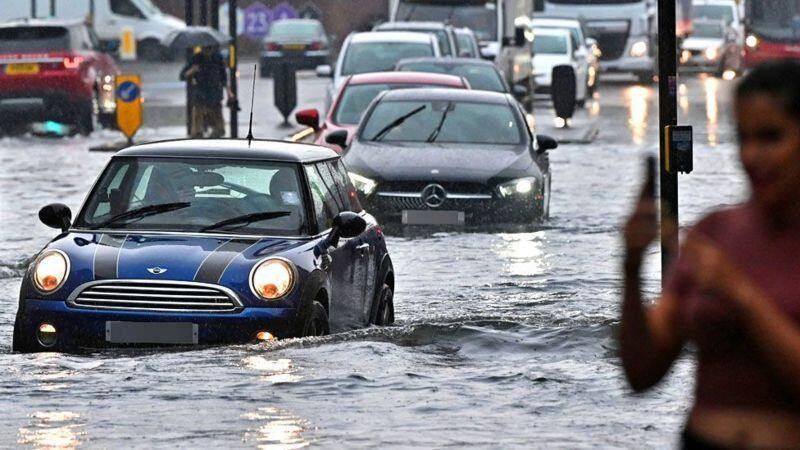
(503, 339)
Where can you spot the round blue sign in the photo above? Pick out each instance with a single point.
(128, 91)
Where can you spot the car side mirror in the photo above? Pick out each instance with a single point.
(519, 36)
(308, 117)
(519, 90)
(338, 138)
(546, 143)
(348, 224)
(56, 215)
(324, 71)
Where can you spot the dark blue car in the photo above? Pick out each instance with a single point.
(207, 242)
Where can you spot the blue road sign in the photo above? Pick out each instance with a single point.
(257, 19)
(128, 91)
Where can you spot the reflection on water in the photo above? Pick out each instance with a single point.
(52, 429)
(711, 86)
(638, 99)
(277, 429)
(683, 98)
(523, 253)
(274, 370)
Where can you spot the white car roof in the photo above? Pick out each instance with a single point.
(421, 25)
(551, 32)
(730, 3)
(393, 36)
(569, 23)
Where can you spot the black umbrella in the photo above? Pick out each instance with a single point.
(193, 36)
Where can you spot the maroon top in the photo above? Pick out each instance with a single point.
(731, 372)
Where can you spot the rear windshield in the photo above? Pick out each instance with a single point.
(713, 12)
(381, 56)
(707, 30)
(33, 39)
(357, 97)
(443, 122)
(549, 44)
(285, 28)
(480, 77)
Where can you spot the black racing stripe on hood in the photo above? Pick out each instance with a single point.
(214, 266)
(106, 256)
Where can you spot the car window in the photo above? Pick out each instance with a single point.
(480, 77)
(365, 57)
(294, 29)
(215, 191)
(326, 205)
(343, 181)
(549, 44)
(126, 8)
(443, 122)
(713, 12)
(34, 39)
(357, 97)
(465, 45)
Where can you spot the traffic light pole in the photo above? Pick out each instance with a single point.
(667, 116)
(233, 63)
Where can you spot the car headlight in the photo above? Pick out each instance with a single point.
(751, 41)
(639, 49)
(362, 184)
(712, 53)
(521, 186)
(50, 271)
(272, 278)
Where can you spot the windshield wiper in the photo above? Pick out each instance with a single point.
(140, 213)
(438, 129)
(247, 219)
(396, 123)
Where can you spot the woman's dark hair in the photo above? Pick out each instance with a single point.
(779, 78)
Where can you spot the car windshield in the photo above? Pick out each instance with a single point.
(33, 39)
(364, 57)
(189, 195)
(574, 31)
(482, 19)
(441, 37)
(443, 122)
(707, 30)
(480, 77)
(293, 29)
(357, 97)
(549, 44)
(713, 12)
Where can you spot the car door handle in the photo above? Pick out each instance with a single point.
(363, 249)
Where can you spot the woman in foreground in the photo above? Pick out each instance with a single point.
(734, 291)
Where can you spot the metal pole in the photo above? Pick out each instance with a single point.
(214, 17)
(203, 13)
(52, 8)
(189, 18)
(233, 63)
(33, 9)
(667, 115)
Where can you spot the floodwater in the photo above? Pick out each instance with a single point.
(503, 339)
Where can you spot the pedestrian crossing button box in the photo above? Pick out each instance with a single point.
(680, 148)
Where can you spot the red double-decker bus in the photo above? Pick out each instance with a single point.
(772, 30)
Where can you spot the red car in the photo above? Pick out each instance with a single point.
(55, 70)
(356, 93)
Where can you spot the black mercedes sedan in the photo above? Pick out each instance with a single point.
(446, 157)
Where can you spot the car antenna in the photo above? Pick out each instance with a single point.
(252, 97)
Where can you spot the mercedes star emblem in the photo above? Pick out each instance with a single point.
(434, 195)
(156, 270)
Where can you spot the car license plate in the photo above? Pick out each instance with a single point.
(22, 69)
(151, 332)
(413, 217)
(294, 46)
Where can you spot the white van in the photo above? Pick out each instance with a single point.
(148, 23)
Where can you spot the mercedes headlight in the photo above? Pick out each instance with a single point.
(50, 270)
(272, 278)
(362, 184)
(639, 49)
(712, 53)
(522, 186)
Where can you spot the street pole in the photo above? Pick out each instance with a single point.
(203, 13)
(33, 9)
(214, 14)
(667, 116)
(233, 63)
(52, 8)
(189, 18)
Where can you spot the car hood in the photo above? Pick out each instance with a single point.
(439, 162)
(174, 257)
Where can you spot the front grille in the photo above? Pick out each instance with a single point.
(399, 203)
(612, 37)
(145, 295)
(418, 186)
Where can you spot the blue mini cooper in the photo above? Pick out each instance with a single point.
(207, 242)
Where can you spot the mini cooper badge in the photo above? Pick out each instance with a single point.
(434, 195)
(156, 270)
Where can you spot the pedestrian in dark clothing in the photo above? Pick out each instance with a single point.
(207, 72)
(733, 291)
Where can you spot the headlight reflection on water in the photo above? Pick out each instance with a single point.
(52, 429)
(638, 99)
(279, 429)
(522, 253)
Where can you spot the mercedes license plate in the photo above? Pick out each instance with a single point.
(151, 332)
(413, 217)
(22, 69)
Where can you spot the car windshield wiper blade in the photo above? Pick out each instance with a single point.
(396, 123)
(142, 212)
(438, 128)
(247, 219)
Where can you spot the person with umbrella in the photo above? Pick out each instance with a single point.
(206, 72)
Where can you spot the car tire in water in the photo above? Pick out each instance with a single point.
(316, 322)
(264, 71)
(19, 343)
(85, 118)
(385, 306)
